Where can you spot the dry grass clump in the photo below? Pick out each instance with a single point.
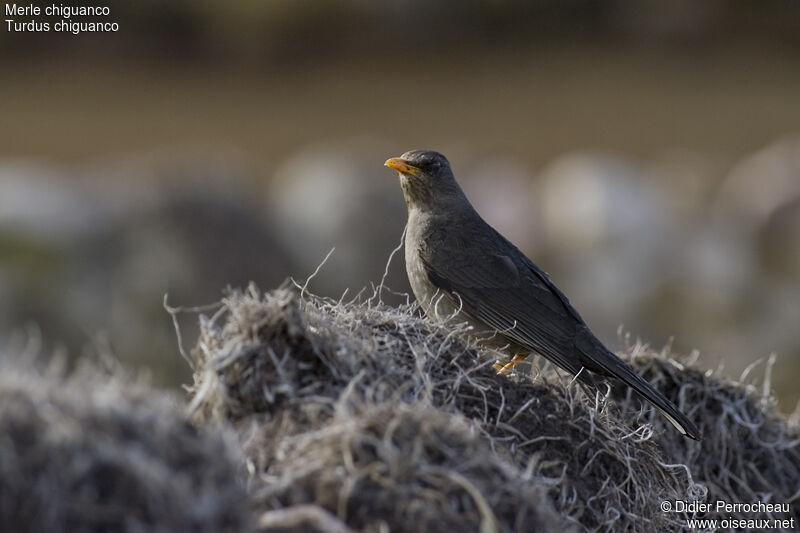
(93, 452)
(749, 451)
(403, 468)
(320, 390)
(355, 416)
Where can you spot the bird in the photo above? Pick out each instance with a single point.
(460, 267)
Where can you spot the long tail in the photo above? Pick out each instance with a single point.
(598, 358)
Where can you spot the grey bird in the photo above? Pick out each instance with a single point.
(460, 268)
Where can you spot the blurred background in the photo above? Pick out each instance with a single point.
(645, 153)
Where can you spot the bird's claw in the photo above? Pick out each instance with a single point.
(500, 368)
(504, 369)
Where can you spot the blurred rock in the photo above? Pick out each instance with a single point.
(760, 184)
(95, 249)
(690, 178)
(779, 241)
(339, 195)
(596, 199)
(39, 202)
(504, 193)
(609, 234)
(715, 267)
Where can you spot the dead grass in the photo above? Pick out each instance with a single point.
(353, 407)
(749, 452)
(95, 452)
(313, 415)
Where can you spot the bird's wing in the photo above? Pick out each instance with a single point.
(493, 282)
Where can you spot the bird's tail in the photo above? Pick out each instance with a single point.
(598, 358)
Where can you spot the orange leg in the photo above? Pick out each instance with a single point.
(505, 369)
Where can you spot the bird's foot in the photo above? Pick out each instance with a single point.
(504, 369)
(499, 366)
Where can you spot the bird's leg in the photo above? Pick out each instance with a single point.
(505, 369)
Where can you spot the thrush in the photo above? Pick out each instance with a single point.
(460, 268)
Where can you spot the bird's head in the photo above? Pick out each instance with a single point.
(426, 179)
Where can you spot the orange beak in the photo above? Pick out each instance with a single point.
(402, 166)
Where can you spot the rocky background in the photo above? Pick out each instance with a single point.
(646, 154)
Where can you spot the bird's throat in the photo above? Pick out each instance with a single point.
(416, 193)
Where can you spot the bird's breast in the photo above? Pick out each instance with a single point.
(433, 301)
(417, 275)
